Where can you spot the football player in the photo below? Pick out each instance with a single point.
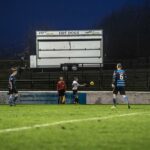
(13, 93)
(75, 86)
(119, 83)
(61, 88)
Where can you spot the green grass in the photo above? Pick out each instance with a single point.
(113, 133)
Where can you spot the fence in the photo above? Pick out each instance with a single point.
(46, 79)
(138, 80)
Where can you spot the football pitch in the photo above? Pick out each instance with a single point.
(74, 127)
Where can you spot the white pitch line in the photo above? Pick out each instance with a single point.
(64, 122)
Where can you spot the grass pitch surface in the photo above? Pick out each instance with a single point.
(74, 127)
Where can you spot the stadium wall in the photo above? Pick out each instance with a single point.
(85, 97)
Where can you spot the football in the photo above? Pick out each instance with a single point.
(91, 83)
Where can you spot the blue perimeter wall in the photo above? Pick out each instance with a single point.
(48, 98)
(85, 97)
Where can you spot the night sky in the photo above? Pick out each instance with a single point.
(18, 17)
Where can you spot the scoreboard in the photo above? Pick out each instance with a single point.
(54, 48)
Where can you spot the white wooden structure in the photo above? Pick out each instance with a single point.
(54, 48)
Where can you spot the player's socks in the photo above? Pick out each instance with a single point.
(76, 100)
(63, 99)
(10, 100)
(127, 101)
(114, 102)
(14, 100)
(59, 100)
(129, 107)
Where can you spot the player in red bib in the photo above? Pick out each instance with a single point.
(61, 88)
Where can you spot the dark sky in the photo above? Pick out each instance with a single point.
(18, 17)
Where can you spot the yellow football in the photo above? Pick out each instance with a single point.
(92, 83)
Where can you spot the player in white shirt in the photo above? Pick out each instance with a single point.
(75, 86)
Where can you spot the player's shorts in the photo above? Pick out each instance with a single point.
(121, 90)
(61, 92)
(75, 92)
(12, 91)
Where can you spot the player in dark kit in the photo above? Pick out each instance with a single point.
(118, 84)
(61, 88)
(13, 93)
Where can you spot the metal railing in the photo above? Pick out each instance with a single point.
(46, 79)
(138, 80)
